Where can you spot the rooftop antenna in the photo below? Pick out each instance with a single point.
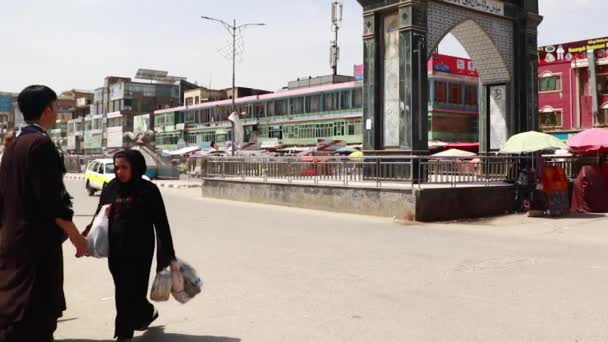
(336, 22)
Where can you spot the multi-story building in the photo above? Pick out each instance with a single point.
(202, 95)
(298, 116)
(7, 111)
(326, 107)
(70, 104)
(453, 99)
(306, 110)
(81, 102)
(573, 86)
(114, 107)
(244, 92)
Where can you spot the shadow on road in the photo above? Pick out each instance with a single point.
(157, 334)
(584, 216)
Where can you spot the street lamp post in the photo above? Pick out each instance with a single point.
(233, 30)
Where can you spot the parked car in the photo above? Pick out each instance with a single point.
(99, 173)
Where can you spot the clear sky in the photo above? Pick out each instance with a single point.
(76, 43)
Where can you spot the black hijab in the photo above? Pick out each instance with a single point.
(138, 169)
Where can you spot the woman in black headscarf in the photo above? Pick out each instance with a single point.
(137, 210)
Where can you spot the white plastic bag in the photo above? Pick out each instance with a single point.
(177, 289)
(192, 282)
(161, 288)
(97, 239)
(186, 283)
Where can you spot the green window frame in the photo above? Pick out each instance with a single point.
(550, 83)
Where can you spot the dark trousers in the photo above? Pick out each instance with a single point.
(131, 278)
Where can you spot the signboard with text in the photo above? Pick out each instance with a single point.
(498, 116)
(114, 137)
(92, 140)
(71, 142)
(452, 65)
(568, 52)
(141, 123)
(358, 72)
(495, 7)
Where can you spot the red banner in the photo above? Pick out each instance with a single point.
(452, 65)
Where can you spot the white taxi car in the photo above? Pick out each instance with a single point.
(99, 173)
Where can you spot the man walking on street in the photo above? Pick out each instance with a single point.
(36, 218)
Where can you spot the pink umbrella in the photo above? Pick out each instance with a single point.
(590, 140)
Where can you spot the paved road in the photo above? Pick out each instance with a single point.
(279, 274)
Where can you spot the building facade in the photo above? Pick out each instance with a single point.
(326, 107)
(306, 110)
(113, 110)
(453, 99)
(573, 86)
(202, 95)
(7, 111)
(298, 116)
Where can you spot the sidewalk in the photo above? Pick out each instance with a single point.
(175, 184)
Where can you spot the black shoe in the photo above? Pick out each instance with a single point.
(146, 325)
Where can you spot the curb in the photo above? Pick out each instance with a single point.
(177, 186)
(160, 184)
(74, 177)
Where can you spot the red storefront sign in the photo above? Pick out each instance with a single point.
(452, 65)
(568, 52)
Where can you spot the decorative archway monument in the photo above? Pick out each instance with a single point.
(399, 37)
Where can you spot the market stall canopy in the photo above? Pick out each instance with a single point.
(454, 152)
(347, 149)
(590, 141)
(532, 141)
(182, 151)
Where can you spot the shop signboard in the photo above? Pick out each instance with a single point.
(114, 137)
(452, 65)
(141, 123)
(6, 104)
(568, 52)
(92, 140)
(358, 72)
(71, 142)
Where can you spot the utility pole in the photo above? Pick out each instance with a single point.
(336, 23)
(234, 31)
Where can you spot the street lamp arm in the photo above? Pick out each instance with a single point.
(252, 24)
(219, 21)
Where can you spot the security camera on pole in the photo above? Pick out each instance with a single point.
(234, 32)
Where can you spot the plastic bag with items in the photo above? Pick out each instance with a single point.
(97, 239)
(186, 282)
(161, 288)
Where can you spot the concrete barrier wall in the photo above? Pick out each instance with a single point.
(426, 205)
(466, 202)
(364, 201)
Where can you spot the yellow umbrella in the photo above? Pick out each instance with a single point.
(356, 156)
(532, 141)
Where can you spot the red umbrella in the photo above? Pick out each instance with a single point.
(590, 140)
